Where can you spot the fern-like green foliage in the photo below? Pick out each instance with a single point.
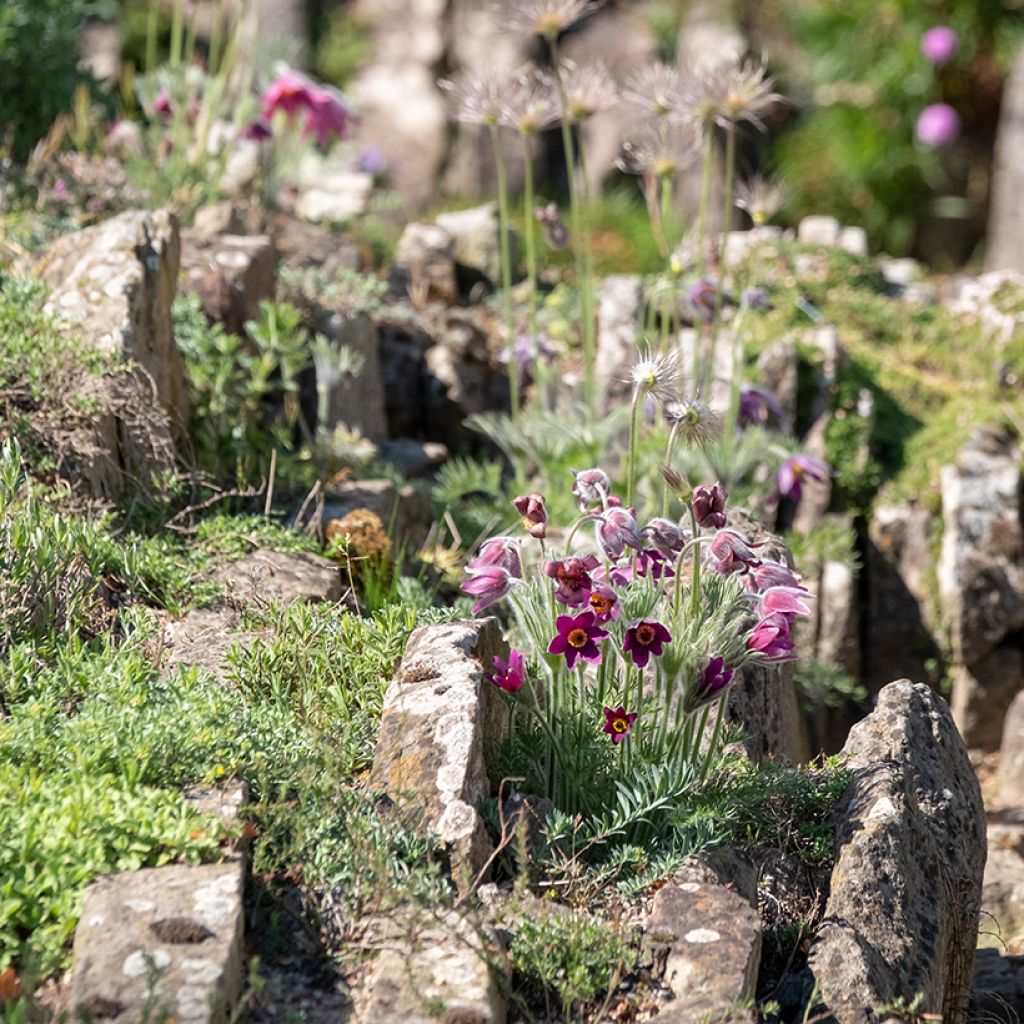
(470, 492)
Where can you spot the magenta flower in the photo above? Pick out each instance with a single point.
(644, 639)
(939, 44)
(770, 637)
(701, 298)
(572, 578)
(256, 131)
(667, 536)
(709, 505)
(713, 679)
(288, 93)
(731, 553)
(60, 190)
(488, 584)
(757, 406)
(329, 116)
(508, 675)
(618, 529)
(756, 298)
(590, 486)
(577, 638)
(785, 600)
(618, 723)
(162, 105)
(938, 125)
(500, 551)
(794, 469)
(654, 563)
(535, 515)
(604, 603)
(772, 574)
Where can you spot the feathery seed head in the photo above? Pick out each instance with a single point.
(548, 18)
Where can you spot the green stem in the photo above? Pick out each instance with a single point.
(730, 174)
(705, 196)
(176, 32)
(634, 416)
(715, 733)
(695, 575)
(506, 270)
(673, 433)
(530, 238)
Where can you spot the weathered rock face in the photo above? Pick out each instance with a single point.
(476, 243)
(426, 254)
(405, 511)
(281, 577)
(981, 580)
(440, 722)
(618, 328)
(778, 366)
(1011, 761)
(186, 922)
(232, 274)
(1005, 248)
(709, 938)
(355, 400)
(116, 281)
(903, 913)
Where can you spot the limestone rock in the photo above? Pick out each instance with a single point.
(355, 400)
(184, 923)
(818, 231)
(778, 366)
(232, 274)
(405, 511)
(413, 458)
(619, 311)
(426, 253)
(854, 240)
(709, 938)
(281, 577)
(202, 639)
(300, 245)
(902, 916)
(440, 723)
(997, 995)
(983, 693)
(1005, 249)
(475, 239)
(1011, 761)
(331, 196)
(116, 281)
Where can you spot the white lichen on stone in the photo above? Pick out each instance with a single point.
(702, 935)
(140, 906)
(136, 964)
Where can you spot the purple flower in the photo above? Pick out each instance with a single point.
(577, 638)
(654, 563)
(604, 603)
(709, 505)
(794, 469)
(713, 679)
(162, 105)
(329, 116)
(770, 637)
(498, 551)
(590, 486)
(667, 536)
(508, 675)
(643, 639)
(731, 553)
(60, 190)
(488, 584)
(256, 131)
(288, 93)
(572, 577)
(756, 298)
(701, 298)
(618, 723)
(618, 529)
(785, 600)
(939, 44)
(372, 160)
(757, 406)
(938, 125)
(535, 515)
(772, 574)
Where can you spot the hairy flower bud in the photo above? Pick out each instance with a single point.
(535, 515)
(709, 505)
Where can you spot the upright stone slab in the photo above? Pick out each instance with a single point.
(162, 941)
(902, 916)
(1005, 249)
(618, 329)
(441, 720)
(355, 400)
(1011, 761)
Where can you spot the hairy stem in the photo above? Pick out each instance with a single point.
(634, 416)
(506, 270)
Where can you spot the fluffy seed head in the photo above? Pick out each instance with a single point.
(588, 89)
(656, 375)
(760, 197)
(546, 18)
(655, 90)
(478, 99)
(694, 421)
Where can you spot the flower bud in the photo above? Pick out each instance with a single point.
(535, 515)
(709, 505)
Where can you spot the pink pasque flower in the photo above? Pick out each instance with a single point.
(772, 574)
(590, 486)
(795, 469)
(288, 93)
(939, 44)
(618, 529)
(643, 639)
(618, 723)
(501, 551)
(713, 679)
(162, 105)
(577, 638)
(666, 536)
(329, 116)
(488, 584)
(572, 578)
(508, 675)
(757, 406)
(256, 131)
(604, 603)
(938, 125)
(535, 515)
(709, 505)
(786, 600)
(731, 553)
(770, 637)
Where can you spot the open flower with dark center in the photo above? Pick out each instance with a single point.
(795, 469)
(770, 637)
(617, 530)
(535, 515)
(731, 553)
(618, 723)
(508, 675)
(644, 639)
(788, 601)
(548, 18)
(604, 603)
(590, 486)
(488, 584)
(577, 638)
(478, 99)
(588, 89)
(758, 406)
(656, 375)
(709, 502)
(760, 197)
(572, 579)
(694, 421)
(713, 679)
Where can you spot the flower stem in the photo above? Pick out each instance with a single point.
(530, 239)
(673, 433)
(730, 170)
(695, 576)
(705, 196)
(506, 270)
(712, 751)
(634, 416)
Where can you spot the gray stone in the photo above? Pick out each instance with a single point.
(854, 240)
(355, 400)
(1005, 248)
(279, 577)
(232, 274)
(997, 995)
(181, 924)
(301, 245)
(618, 329)
(331, 196)
(818, 231)
(1011, 761)
(777, 367)
(223, 218)
(902, 273)
(116, 282)
(225, 801)
(475, 239)
(440, 725)
(902, 916)
(426, 253)
(405, 512)
(202, 639)
(709, 939)
(413, 458)
(982, 695)
(1002, 898)
(440, 975)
